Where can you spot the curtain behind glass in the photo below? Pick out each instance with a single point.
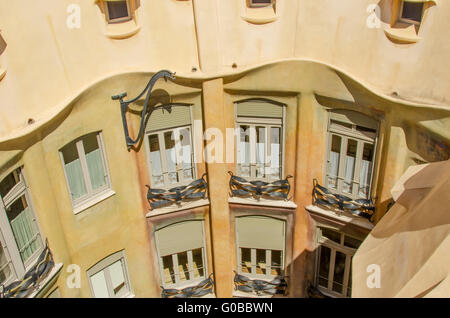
(74, 173)
(26, 234)
(96, 169)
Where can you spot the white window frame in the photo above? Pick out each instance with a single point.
(162, 147)
(91, 196)
(183, 284)
(268, 123)
(7, 239)
(252, 4)
(400, 14)
(118, 20)
(103, 266)
(334, 247)
(361, 139)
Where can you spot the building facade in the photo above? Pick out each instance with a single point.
(269, 155)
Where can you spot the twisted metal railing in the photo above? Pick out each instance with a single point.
(278, 190)
(32, 278)
(260, 287)
(337, 202)
(195, 190)
(203, 288)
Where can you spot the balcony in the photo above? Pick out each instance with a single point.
(201, 290)
(246, 287)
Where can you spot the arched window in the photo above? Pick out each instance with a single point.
(350, 154)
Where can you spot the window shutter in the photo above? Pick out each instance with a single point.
(259, 109)
(260, 232)
(180, 237)
(162, 119)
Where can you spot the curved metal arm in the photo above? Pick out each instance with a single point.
(124, 105)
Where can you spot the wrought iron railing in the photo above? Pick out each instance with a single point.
(338, 202)
(32, 278)
(260, 287)
(276, 190)
(195, 190)
(201, 289)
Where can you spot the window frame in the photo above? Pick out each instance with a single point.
(334, 247)
(103, 266)
(7, 239)
(187, 283)
(361, 139)
(251, 4)
(91, 195)
(164, 171)
(118, 20)
(406, 20)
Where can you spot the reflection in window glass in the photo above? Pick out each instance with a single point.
(350, 165)
(244, 151)
(324, 266)
(260, 262)
(260, 151)
(117, 9)
(8, 183)
(169, 141)
(197, 259)
(331, 234)
(94, 161)
(246, 260)
(275, 152)
(183, 266)
(335, 156)
(155, 159)
(117, 279)
(74, 172)
(339, 269)
(351, 242)
(168, 269)
(276, 262)
(186, 154)
(365, 170)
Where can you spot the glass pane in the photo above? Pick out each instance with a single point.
(155, 161)
(197, 259)
(335, 156)
(350, 165)
(260, 262)
(275, 152)
(183, 268)
(260, 151)
(276, 263)
(365, 173)
(99, 286)
(117, 279)
(24, 228)
(246, 260)
(324, 266)
(331, 234)
(73, 171)
(412, 11)
(351, 242)
(339, 269)
(340, 125)
(186, 154)
(368, 132)
(117, 9)
(168, 269)
(94, 161)
(8, 183)
(169, 142)
(5, 269)
(244, 151)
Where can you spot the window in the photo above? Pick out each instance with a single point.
(259, 144)
(350, 153)
(171, 155)
(117, 11)
(334, 259)
(260, 246)
(181, 250)
(109, 278)
(260, 3)
(411, 12)
(20, 238)
(85, 168)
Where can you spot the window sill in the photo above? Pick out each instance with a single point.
(260, 15)
(345, 217)
(47, 282)
(122, 30)
(177, 208)
(2, 73)
(263, 202)
(241, 294)
(403, 33)
(93, 201)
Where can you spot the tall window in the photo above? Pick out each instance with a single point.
(117, 11)
(351, 153)
(260, 246)
(260, 140)
(411, 12)
(109, 278)
(170, 149)
(334, 260)
(181, 249)
(85, 168)
(20, 238)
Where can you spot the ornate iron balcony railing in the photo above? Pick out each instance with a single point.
(30, 281)
(158, 198)
(259, 287)
(338, 202)
(278, 190)
(203, 288)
